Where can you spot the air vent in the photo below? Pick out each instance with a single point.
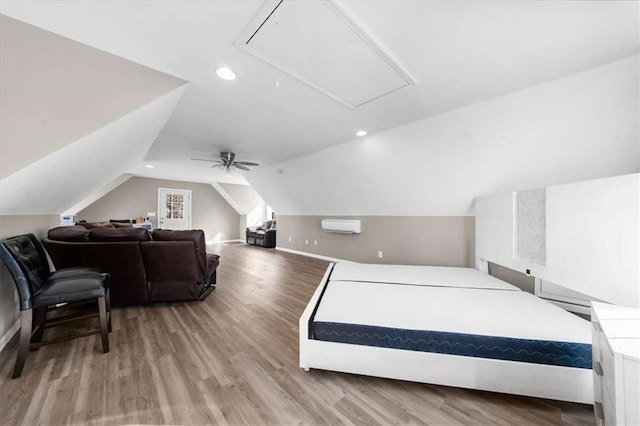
(318, 44)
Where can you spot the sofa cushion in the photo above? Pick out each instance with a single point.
(194, 235)
(93, 225)
(118, 234)
(69, 233)
(121, 225)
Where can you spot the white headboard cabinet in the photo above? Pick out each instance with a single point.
(592, 232)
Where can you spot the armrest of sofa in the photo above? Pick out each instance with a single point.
(270, 238)
(170, 261)
(195, 236)
(213, 260)
(173, 271)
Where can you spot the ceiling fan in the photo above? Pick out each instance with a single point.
(227, 161)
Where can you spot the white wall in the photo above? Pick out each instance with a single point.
(244, 198)
(592, 237)
(62, 179)
(581, 127)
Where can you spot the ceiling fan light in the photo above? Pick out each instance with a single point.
(226, 73)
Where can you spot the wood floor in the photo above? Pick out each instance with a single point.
(233, 359)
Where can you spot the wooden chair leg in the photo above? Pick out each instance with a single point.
(26, 322)
(108, 299)
(39, 319)
(104, 327)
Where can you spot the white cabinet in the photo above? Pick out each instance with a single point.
(616, 363)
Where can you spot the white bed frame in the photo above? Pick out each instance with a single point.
(520, 378)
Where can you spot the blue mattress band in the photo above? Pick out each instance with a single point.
(564, 354)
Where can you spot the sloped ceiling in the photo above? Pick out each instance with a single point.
(243, 198)
(481, 117)
(460, 53)
(56, 90)
(97, 193)
(72, 173)
(580, 127)
(72, 118)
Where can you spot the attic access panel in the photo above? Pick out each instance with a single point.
(318, 44)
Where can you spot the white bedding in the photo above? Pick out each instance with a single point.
(514, 314)
(442, 276)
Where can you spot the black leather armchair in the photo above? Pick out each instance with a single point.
(41, 291)
(263, 235)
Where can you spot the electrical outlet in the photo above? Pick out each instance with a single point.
(306, 241)
(315, 242)
(289, 239)
(379, 255)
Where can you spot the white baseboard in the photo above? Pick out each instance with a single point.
(9, 334)
(225, 241)
(317, 256)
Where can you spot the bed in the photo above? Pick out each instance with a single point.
(446, 326)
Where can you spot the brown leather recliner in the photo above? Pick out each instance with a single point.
(145, 267)
(263, 235)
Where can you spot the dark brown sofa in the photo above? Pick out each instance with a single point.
(145, 267)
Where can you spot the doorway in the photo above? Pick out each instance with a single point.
(174, 207)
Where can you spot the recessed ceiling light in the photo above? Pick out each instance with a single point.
(361, 133)
(226, 74)
(149, 166)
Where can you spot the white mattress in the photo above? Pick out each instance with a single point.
(485, 312)
(441, 276)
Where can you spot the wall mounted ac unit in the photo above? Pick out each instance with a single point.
(342, 226)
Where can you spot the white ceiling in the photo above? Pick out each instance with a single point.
(459, 52)
(584, 126)
(344, 63)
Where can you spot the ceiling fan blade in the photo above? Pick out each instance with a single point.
(246, 163)
(203, 159)
(241, 167)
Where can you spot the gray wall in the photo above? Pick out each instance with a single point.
(409, 240)
(137, 196)
(11, 226)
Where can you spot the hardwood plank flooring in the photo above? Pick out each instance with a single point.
(233, 359)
